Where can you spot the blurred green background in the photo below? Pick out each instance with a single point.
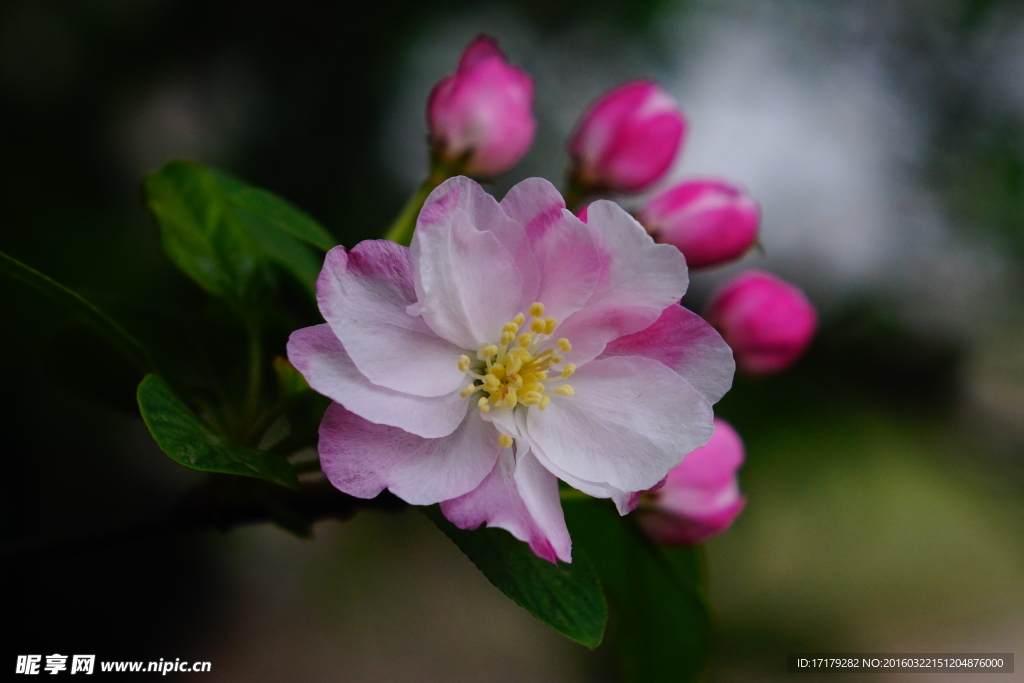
(885, 473)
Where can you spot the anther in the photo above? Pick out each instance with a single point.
(568, 370)
(565, 390)
(538, 326)
(549, 325)
(544, 403)
(534, 388)
(525, 339)
(518, 320)
(468, 390)
(504, 440)
(507, 337)
(483, 405)
(464, 363)
(564, 345)
(512, 327)
(537, 310)
(532, 398)
(489, 351)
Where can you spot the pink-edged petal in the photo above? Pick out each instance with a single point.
(685, 342)
(699, 502)
(711, 221)
(362, 458)
(363, 295)
(639, 279)
(630, 421)
(481, 49)
(712, 467)
(481, 118)
(513, 423)
(472, 266)
(520, 496)
(327, 367)
(673, 529)
(567, 257)
(701, 497)
(625, 501)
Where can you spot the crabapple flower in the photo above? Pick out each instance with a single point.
(628, 139)
(710, 221)
(700, 497)
(509, 346)
(480, 118)
(768, 322)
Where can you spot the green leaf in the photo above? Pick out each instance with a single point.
(131, 347)
(566, 597)
(659, 595)
(279, 247)
(283, 232)
(201, 233)
(277, 211)
(190, 442)
(223, 233)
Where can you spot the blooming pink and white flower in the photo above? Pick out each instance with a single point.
(710, 221)
(509, 346)
(480, 118)
(628, 139)
(700, 497)
(768, 322)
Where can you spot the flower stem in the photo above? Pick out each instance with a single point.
(576, 192)
(255, 378)
(204, 508)
(401, 230)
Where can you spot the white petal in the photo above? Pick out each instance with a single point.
(639, 279)
(363, 295)
(630, 421)
(625, 501)
(362, 458)
(322, 360)
(567, 257)
(520, 496)
(685, 342)
(469, 265)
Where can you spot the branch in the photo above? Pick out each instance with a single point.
(223, 505)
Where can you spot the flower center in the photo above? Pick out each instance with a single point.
(513, 371)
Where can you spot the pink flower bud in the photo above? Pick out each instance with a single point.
(700, 497)
(767, 322)
(627, 139)
(481, 119)
(710, 221)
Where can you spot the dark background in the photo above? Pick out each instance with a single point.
(884, 471)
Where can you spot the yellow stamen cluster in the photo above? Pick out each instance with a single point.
(512, 372)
